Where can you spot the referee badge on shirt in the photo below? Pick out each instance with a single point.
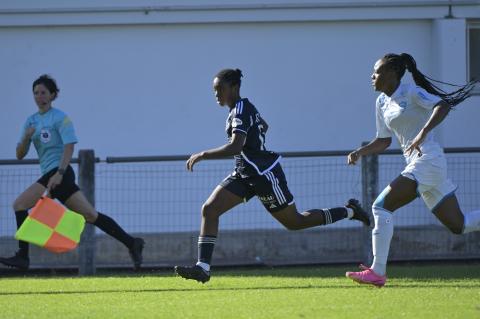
(45, 135)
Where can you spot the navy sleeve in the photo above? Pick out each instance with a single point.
(242, 119)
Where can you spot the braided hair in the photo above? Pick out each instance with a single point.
(48, 82)
(399, 63)
(230, 76)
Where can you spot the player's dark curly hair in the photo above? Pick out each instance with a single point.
(399, 63)
(48, 82)
(230, 76)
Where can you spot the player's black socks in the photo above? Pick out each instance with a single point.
(206, 244)
(21, 215)
(109, 226)
(333, 215)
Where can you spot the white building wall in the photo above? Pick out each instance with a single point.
(131, 82)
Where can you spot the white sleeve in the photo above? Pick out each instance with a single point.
(423, 98)
(382, 129)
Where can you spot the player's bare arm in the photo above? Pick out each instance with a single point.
(376, 146)
(233, 148)
(440, 112)
(23, 146)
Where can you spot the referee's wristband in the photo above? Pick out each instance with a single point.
(61, 171)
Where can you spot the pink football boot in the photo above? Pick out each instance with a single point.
(367, 276)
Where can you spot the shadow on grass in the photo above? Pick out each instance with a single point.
(410, 271)
(233, 289)
(413, 271)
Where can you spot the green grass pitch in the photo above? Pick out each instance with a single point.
(413, 291)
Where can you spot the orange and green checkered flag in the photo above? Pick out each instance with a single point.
(52, 226)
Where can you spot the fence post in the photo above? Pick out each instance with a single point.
(369, 193)
(86, 181)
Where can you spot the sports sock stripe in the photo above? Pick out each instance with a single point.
(328, 216)
(206, 240)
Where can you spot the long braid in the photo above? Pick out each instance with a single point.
(401, 63)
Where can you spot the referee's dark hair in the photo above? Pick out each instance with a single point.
(230, 76)
(399, 63)
(48, 82)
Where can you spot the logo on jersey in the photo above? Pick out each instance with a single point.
(423, 96)
(269, 201)
(45, 135)
(403, 104)
(236, 122)
(267, 198)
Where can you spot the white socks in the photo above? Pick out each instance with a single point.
(205, 266)
(381, 237)
(471, 221)
(349, 212)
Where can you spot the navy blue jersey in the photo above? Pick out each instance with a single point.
(254, 158)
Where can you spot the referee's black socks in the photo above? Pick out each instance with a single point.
(109, 226)
(21, 215)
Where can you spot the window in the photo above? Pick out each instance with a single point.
(473, 52)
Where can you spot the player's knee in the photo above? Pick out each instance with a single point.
(457, 229)
(381, 217)
(380, 200)
(19, 205)
(90, 217)
(209, 210)
(291, 226)
(294, 224)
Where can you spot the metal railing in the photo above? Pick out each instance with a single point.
(154, 197)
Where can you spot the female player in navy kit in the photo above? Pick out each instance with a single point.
(410, 112)
(53, 136)
(257, 173)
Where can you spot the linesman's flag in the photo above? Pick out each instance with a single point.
(52, 226)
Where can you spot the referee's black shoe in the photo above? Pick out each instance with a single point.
(17, 261)
(136, 252)
(194, 272)
(358, 212)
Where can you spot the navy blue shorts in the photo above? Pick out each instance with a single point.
(66, 188)
(271, 188)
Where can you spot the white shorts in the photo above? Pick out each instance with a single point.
(430, 173)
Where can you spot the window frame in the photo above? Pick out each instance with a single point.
(472, 25)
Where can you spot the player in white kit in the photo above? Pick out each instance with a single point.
(410, 112)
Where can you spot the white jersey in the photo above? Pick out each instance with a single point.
(404, 114)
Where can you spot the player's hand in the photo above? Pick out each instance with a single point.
(54, 181)
(353, 157)
(417, 141)
(194, 158)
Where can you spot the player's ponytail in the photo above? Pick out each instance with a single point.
(230, 76)
(401, 63)
(48, 82)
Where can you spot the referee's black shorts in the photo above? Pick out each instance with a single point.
(271, 188)
(66, 188)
